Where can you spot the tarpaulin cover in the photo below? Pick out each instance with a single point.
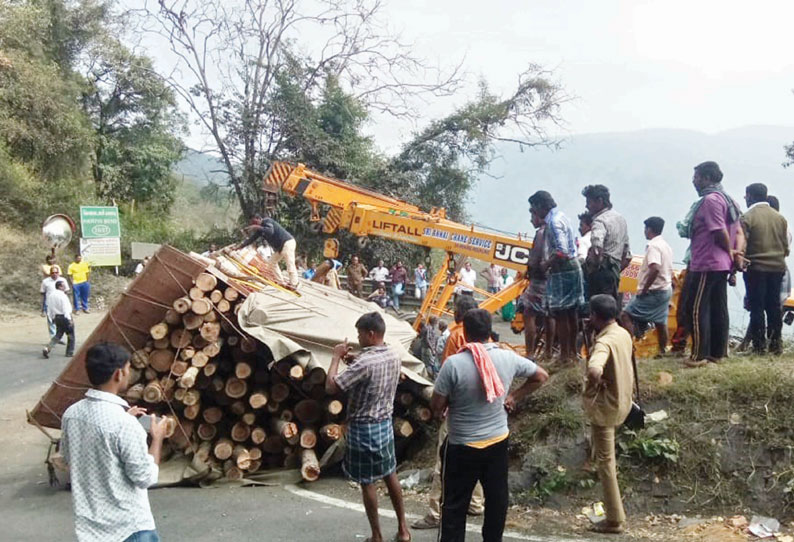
(308, 327)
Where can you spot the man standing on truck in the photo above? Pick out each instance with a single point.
(280, 240)
(609, 252)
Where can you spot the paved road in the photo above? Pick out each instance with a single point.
(328, 511)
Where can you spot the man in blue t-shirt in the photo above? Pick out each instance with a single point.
(471, 390)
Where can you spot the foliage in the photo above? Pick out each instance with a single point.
(40, 119)
(649, 444)
(135, 121)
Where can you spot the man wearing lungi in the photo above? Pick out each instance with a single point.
(564, 288)
(471, 391)
(651, 305)
(370, 381)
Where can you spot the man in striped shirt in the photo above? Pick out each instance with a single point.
(370, 381)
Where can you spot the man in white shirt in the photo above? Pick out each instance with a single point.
(379, 273)
(583, 244)
(105, 447)
(654, 285)
(466, 281)
(47, 287)
(59, 311)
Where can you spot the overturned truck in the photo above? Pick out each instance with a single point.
(237, 365)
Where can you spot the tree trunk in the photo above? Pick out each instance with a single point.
(310, 467)
(230, 294)
(206, 282)
(223, 449)
(195, 293)
(308, 411)
(235, 388)
(223, 306)
(243, 370)
(240, 432)
(403, 428)
(279, 392)
(188, 379)
(258, 435)
(287, 430)
(212, 415)
(331, 432)
(181, 338)
(334, 407)
(308, 438)
(172, 317)
(153, 393)
(182, 305)
(241, 457)
(206, 431)
(216, 296)
(210, 331)
(258, 399)
(201, 306)
(161, 360)
(191, 320)
(159, 331)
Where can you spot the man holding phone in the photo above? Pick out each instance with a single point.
(370, 381)
(105, 447)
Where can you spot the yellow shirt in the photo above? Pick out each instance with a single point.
(609, 404)
(79, 271)
(45, 268)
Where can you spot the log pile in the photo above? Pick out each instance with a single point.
(228, 404)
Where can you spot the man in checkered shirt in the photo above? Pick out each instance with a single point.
(370, 381)
(109, 463)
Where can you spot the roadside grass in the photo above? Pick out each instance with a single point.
(727, 445)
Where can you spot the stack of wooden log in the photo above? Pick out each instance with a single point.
(229, 404)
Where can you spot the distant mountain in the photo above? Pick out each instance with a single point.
(201, 168)
(648, 173)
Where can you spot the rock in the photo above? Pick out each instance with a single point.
(664, 379)
(764, 527)
(685, 522)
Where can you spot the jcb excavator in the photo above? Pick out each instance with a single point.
(366, 213)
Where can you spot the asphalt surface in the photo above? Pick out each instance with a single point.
(30, 510)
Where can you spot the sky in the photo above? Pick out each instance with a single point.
(706, 65)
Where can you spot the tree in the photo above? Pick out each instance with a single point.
(40, 118)
(233, 55)
(136, 126)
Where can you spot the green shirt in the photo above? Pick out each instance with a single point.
(767, 238)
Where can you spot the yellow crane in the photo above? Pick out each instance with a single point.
(366, 213)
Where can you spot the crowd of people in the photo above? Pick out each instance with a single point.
(56, 306)
(571, 281)
(565, 270)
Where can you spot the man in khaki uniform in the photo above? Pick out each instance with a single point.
(607, 401)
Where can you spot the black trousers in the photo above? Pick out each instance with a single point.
(710, 320)
(63, 326)
(461, 468)
(605, 280)
(763, 296)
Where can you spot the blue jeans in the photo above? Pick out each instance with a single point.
(81, 293)
(144, 536)
(397, 291)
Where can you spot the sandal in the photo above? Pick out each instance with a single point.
(607, 527)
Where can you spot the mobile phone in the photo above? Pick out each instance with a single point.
(146, 422)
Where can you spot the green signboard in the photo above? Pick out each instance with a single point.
(99, 222)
